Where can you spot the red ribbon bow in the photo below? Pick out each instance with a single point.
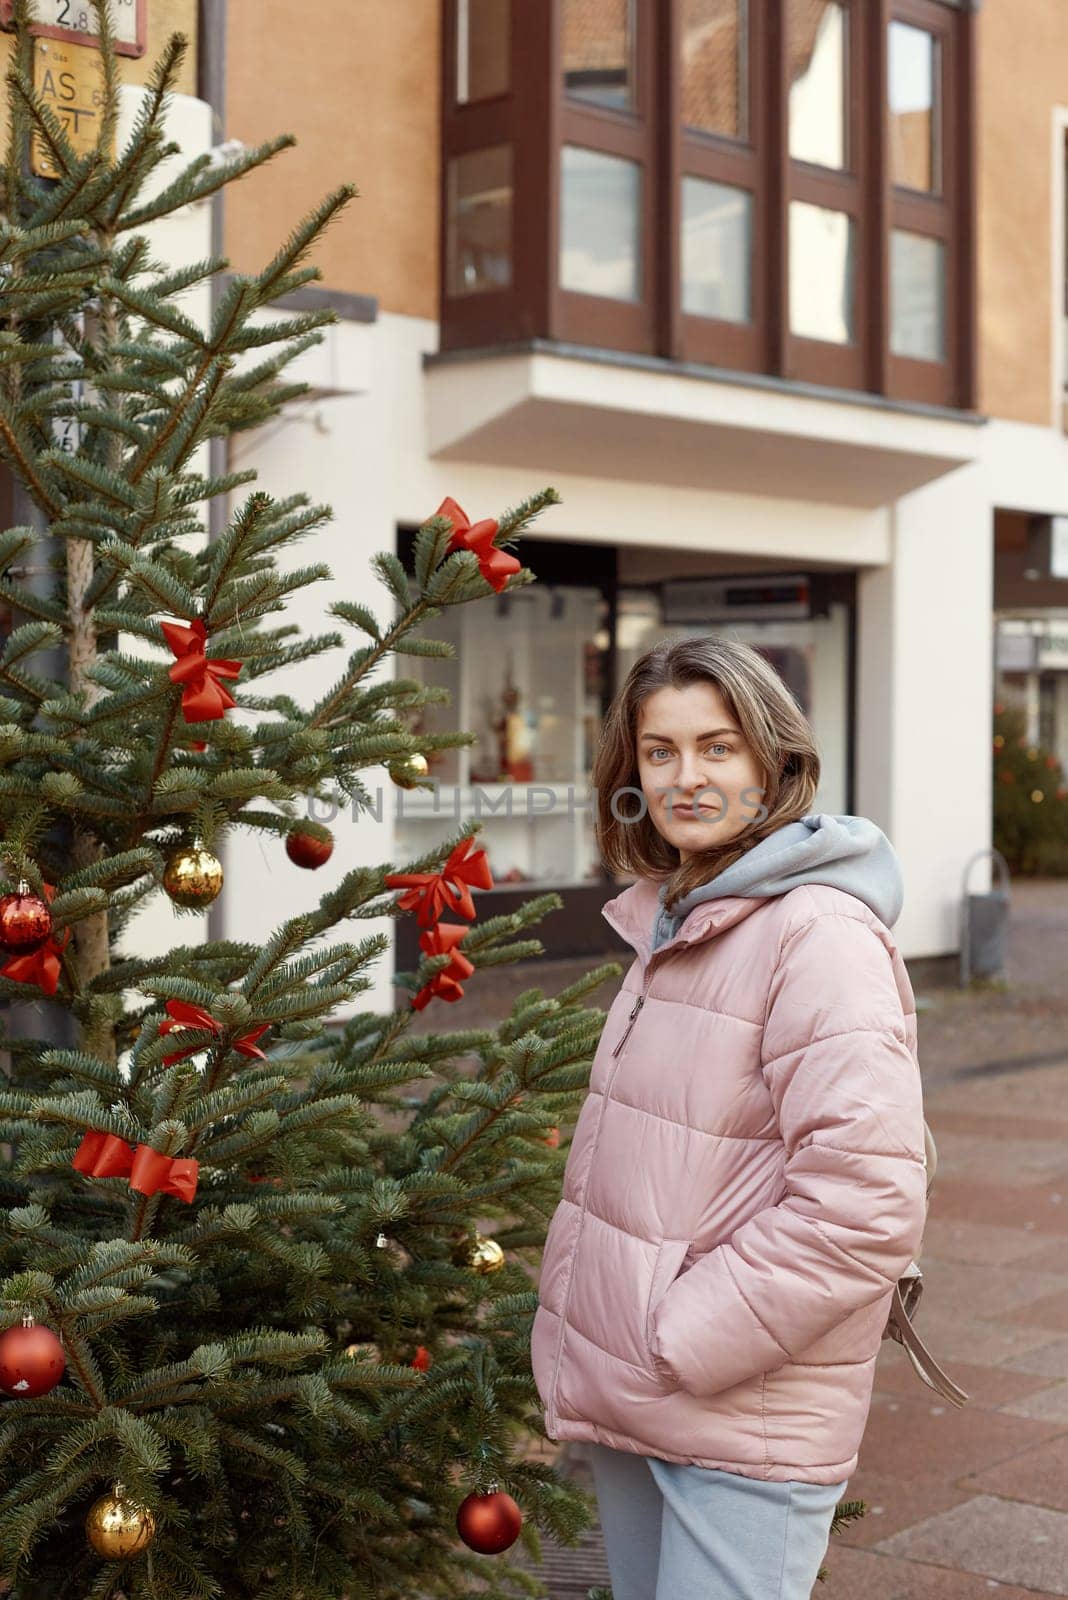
(43, 966)
(445, 983)
(246, 1044)
(434, 892)
(103, 1155)
(181, 1014)
(495, 565)
(204, 698)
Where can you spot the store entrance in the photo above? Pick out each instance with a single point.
(534, 673)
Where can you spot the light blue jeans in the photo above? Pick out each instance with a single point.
(679, 1532)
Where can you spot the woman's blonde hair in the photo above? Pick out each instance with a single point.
(778, 733)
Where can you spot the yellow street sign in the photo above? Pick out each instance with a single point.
(68, 78)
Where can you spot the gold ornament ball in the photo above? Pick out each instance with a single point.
(193, 876)
(407, 773)
(117, 1527)
(485, 1254)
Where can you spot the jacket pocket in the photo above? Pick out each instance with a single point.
(670, 1260)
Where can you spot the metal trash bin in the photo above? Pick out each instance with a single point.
(984, 923)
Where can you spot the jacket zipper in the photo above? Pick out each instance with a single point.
(635, 1008)
(551, 1419)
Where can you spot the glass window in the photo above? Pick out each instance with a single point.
(810, 657)
(818, 77)
(480, 221)
(914, 69)
(821, 273)
(483, 29)
(600, 234)
(715, 66)
(598, 51)
(917, 296)
(536, 721)
(717, 250)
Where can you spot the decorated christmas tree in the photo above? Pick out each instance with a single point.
(266, 1258)
(1030, 798)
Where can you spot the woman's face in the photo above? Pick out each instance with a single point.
(701, 782)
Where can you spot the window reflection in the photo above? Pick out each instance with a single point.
(600, 235)
(821, 273)
(598, 51)
(917, 296)
(809, 655)
(715, 71)
(914, 71)
(717, 247)
(818, 78)
(482, 45)
(480, 221)
(536, 716)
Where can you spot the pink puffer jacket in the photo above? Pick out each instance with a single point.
(745, 1185)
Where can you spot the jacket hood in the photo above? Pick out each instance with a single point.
(846, 852)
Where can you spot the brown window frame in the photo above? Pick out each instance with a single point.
(934, 215)
(538, 118)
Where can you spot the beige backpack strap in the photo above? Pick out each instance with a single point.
(930, 1151)
(922, 1360)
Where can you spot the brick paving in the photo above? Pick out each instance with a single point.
(971, 1503)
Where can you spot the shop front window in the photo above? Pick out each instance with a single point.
(528, 679)
(810, 655)
(534, 672)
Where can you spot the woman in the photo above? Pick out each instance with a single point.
(746, 1177)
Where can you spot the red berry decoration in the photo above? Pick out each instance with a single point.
(31, 1360)
(308, 849)
(489, 1523)
(25, 921)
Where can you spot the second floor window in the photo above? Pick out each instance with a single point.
(782, 186)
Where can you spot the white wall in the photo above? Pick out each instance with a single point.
(176, 240)
(925, 688)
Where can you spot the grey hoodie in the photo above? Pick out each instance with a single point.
(849, 853)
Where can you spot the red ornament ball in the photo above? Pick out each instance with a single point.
(307, 849)
(25, 923)
(31, 1361)
(489, 1523)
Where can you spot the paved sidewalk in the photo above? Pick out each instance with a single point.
(971, 1503)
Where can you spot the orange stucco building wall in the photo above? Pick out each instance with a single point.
(360, 92)
(1023, 76)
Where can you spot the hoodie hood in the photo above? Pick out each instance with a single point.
(846, 852)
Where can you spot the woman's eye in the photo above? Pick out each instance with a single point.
(660, 750)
